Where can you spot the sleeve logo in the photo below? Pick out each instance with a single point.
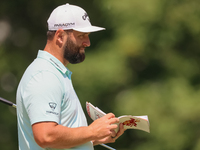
(52, 106)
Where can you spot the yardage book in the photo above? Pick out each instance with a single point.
(129, 122)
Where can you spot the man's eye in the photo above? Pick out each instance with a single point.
(80, 36)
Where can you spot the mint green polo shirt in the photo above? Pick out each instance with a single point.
(45, 93)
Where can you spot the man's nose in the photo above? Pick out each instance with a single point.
(86, 42)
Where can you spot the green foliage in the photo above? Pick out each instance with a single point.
(145, 63)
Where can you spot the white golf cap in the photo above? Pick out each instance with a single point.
(71, 17)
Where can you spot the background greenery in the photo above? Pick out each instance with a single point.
(147, 62)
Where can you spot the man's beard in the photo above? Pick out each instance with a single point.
(72, 52)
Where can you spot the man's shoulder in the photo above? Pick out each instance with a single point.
(40, 69)
(41, 65)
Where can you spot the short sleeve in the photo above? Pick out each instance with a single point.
(42, 98)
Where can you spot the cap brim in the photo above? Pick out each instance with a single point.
(89, 29)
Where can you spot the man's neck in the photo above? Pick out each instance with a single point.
(56, 52)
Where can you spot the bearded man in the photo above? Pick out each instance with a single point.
(49, 113)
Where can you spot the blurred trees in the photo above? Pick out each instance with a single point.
(146, 62)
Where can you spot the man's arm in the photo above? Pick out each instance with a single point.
(50, 134)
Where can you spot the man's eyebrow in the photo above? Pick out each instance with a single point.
(86, 33)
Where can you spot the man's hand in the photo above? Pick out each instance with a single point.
(111, 139)
(103, 129)
(104, 126)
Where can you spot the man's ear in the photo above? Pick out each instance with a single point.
(60, 36)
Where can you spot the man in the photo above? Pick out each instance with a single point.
(49, 113)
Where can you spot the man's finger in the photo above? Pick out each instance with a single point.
(113, 134)
(113, 120)
(109, 115)
(113, 126)
(121, 130)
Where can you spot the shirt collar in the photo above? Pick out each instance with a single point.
(55, 62)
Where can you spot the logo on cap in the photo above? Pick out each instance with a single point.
(85, 16)
(64, 24)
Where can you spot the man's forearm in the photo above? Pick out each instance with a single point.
(61, 137)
